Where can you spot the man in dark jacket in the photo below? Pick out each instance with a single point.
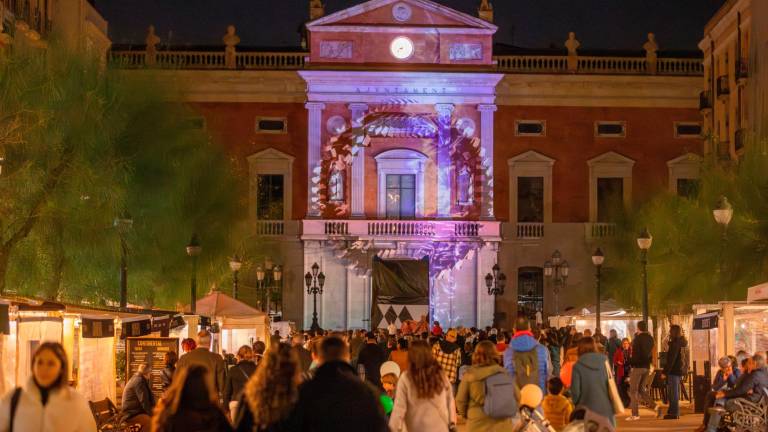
(335, 399)
(305, 357)
(751, 387)
(138, 400)
(203, 356)
(237, 377)
(370, 358)
(639, 377)
(674, 370)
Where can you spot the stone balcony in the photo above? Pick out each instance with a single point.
(400, 230)
(530, 231)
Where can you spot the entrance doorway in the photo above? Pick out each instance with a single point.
(400, 291)
(530, 291)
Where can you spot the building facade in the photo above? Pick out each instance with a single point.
(406, 158)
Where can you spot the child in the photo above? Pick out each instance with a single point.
(389, 372)
(557, 408)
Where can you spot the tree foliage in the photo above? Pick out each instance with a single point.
(82, 146)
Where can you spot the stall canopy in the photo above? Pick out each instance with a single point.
(758, 292)
(234, 316)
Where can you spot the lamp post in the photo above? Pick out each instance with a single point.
(260, 275)
(597, 260)
(556, 270)
(314, 282)
(123, 225)
(723, 213)
(235, 265)
(277, 274)
(496, 282)
(193, 250)
(644, 241)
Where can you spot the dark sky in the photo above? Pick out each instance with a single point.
(599, 24)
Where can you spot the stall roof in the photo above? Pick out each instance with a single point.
(218, 304)
(757, 292)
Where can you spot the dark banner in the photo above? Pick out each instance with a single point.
(97, 328)
(136, 328)
(161, 325)
(400, 284)
(705, 322)
(5, 323)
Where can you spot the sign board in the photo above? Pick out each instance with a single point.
(149, 351)
(705, 321)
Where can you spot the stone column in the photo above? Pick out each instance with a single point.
(444, 167)
(358, 111)
(314, 147)
(486, 146)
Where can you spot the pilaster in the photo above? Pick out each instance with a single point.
(314, 147)
(445, 176)
(486, 145)
(358, 111)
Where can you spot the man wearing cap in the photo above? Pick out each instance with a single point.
(448, 354)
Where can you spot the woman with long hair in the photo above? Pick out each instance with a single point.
(271, 394)
(589, 386)
(471, 395)
(674, 370)
(166, 375)
(622, 368)
(46, 403)
(190, 404)
(424, 399)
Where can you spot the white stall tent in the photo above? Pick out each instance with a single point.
(240, 324)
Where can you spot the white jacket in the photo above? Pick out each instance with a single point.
(66, 411)
(421, 415)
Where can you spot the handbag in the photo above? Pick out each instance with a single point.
(613, 392)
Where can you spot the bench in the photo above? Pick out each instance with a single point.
(108, 417)
(748, 416)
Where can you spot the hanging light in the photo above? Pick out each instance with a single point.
(235, 264)
(723, 211)
(598, 257)
(644, 240)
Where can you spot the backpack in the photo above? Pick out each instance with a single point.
(500, 399)
(527, 367)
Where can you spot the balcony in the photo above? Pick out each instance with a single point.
(705, 101)
(277, 228)
(318, 229)
(598, 230)
(529, 230)
(723, 87)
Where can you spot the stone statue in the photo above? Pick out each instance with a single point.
(573, 57)
(316, 9)
(485, 12)
(650, 47)
(151, 49)
(230, 40)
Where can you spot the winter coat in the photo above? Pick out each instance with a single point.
(420, 414)
(557, 409)
(197, 419)
(621, 363)
(566, 371)
(237, 377)
(674, 363)
(448, 355)
(613, 345)
(471, 397)
(337, 400)
(719, 382)
(371, 357)
(166, 376)
(524, 342)
(589, 387)
(305, 357)
(137, 397)
(751, 387)
(66, 411)
(214, 363)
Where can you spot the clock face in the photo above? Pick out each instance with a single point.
(401, 47)
(401, 12)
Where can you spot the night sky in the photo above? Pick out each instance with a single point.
(599, 24)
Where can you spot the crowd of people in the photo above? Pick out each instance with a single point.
(391, 381)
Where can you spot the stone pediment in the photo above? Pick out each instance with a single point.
(402, 13)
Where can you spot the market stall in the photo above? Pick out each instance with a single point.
(239, 323)
(612, 317)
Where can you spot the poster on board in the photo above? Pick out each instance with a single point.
(145, 350)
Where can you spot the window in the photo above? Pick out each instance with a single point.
(269, 197)
(610, 129)
(530, 128)
(400, 175)
(610, 198)
(530, 291)
(336, 183)
(464, 186)
(687, 188)
(530, 199)
(401, 196)
(273, 125)
(687, 130)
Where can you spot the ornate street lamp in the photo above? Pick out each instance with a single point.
(496, 282)
(723, 213)
(193, 250)
(644, 241)
(124, 223)
(597, 260)
(235, 265)
(314, 282)
(261, 284)
(277, 274)
(556, 271)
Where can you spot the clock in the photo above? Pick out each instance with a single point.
(401, 12)
(401, 47)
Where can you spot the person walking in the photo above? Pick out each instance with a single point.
(589, 387)
(622, 368)
(371, 357)
(400, 355)
(335, 399)
(673, 370)
(170, 359)
(448, 355)
(470, 398)
(46, 403)
(191, 404)
(612, 345)
(138, 400)
(639, 377)
(424, 398)
(527, 360)
(204, 357)
(305, 357)
(271, 395)
(237, 378)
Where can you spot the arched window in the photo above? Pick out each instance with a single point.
(336, 183)
(464, 187)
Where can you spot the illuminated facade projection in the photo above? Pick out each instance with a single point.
(406, 155)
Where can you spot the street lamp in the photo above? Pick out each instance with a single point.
(556, 270)
(644, 241)
(235, 265)
(260, 275)
(123, 225)
(597, 260)
(723, 213)
(496, 282)
(314, 282)
(193, 250)
(277, 274)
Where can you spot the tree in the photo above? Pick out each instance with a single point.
(82, 146)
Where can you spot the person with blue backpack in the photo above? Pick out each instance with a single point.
(486, 395)
(526, 359)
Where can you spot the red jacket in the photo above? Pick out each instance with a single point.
(619, 362)
(437, 330)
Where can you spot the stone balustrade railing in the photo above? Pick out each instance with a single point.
(529, 230)
(271, 228)
(543, 64)
(314, 229)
